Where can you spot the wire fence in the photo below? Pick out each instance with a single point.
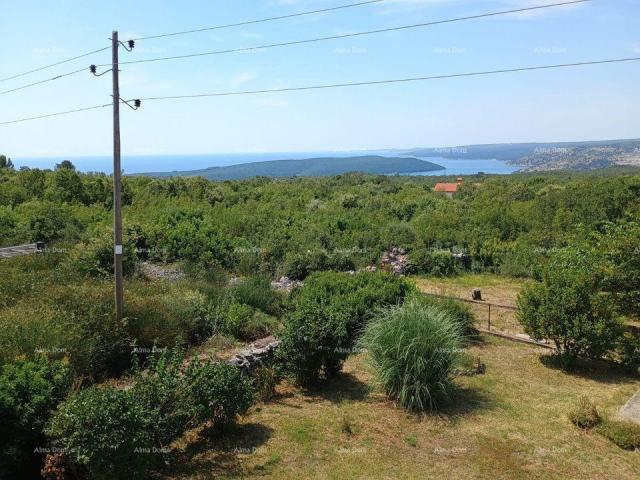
(496, 319)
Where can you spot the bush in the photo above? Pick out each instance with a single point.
(438, 263)
(328, 314)
(585, 415)
(314, 340)
(414, 350)
(178, 398)
(29, 392)
(629, 352)
(568, 308)
(257, 293)
(167, 315)
(244, 323)
(265, 380)
(94, 257)
(111, 433)
(219, 392)
(624, 434)
(460, 312)
(76, 321)
(106, 433)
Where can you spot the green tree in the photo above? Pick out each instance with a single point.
(64, 185)
(569, 309)
(5, 162)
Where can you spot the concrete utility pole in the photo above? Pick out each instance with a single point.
(117, 189)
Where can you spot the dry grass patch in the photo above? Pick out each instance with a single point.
(509, 423)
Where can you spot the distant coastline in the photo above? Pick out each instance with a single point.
(310, 167)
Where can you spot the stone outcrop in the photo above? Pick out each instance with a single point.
(394, 261)
(285, 284)
(258, 354)
(162, 272)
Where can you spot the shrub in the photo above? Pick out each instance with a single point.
(437, 263)
(585, 415)
(568, 309)
(178, 398)
(76, 321)
(328, 314)
(167, 315)
(105, 432)
(265, 380)
(94, 257)
(113, 433)
(29, 391)
(257, 293)
(98, 344)
(314, 340)
(219, 392)
(414, 350)
(629, 352)
(244, 323)
(625, 434)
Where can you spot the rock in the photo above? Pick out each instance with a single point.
(256, 355)
(153, 271)
(394, 261)
(285, 284)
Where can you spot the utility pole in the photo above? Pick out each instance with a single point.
(117, 188)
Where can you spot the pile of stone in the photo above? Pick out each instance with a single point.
(285, 284)
(162, 272)
(394, 261)
(258, 354)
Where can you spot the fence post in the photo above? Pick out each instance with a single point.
(489, 320)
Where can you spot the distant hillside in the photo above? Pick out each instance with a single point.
(311, 167)
(547, 156)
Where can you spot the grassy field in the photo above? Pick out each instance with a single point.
(495, 289)
(510, 423)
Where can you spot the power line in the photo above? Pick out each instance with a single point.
(54, 64)
(397, 80)
(262, 20)
(43, 81)
(217, 27)
(352, 84)
(84, 109)
(260, 47)
(348, 35)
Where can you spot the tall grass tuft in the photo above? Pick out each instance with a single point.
(414, 350)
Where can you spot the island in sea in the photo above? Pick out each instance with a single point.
(310, 167)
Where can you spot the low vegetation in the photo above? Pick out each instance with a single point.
(328, 314)
(414, 350)
(121, 399)
(109, 432)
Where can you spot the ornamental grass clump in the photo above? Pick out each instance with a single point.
(414, 350)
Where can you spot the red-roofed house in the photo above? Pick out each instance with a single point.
(448, 188)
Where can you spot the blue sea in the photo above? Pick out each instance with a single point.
(168, 163)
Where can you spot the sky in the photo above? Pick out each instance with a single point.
(585, 103)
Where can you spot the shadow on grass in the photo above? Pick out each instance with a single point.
(343, 386)
(602, 371)
(464, 401)
(219, 454)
